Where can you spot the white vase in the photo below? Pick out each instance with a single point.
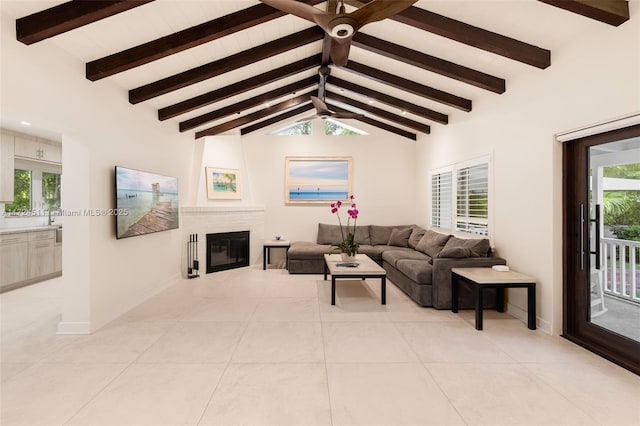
(346, 258)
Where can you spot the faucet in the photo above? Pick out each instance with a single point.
(51, 220)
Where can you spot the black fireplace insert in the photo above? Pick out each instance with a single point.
(227, 250)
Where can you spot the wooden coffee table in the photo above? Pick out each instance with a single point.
(366, 268)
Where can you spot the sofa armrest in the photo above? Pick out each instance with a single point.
(441, 280)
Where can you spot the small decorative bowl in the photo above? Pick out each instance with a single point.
(278, 237)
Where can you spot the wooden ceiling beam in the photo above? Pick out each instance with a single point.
(472, 36)
(69, 16)
(429, 63)
(423, 112)
(278, 118)
(380, 112)
(182, 40)
(246, 119)
(612, 12)
(408, 86)
(239, 87)
(224, 65)
(379, 124)
(238, 107)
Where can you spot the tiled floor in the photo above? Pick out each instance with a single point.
(253, 347)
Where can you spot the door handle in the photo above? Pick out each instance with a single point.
(581, 235)
(596, 220)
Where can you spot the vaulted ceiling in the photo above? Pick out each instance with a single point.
(221, 66)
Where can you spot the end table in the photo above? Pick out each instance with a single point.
(266, 251)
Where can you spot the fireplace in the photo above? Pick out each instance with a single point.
(227, 250)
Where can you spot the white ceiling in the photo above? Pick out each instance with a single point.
(526, 20)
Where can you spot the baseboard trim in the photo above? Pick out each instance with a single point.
(65, 327)
(521, 314)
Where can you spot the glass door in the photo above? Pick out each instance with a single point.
(602, 244)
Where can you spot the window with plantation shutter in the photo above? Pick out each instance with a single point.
(472, 199)
(460, 196)
(441, 200)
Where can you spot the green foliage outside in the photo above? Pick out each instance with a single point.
(51, 190)
(621, 209)
(333, 128)
(303, 128)
(22, 191)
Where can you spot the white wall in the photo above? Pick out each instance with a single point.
(383, 178)
(592, 79)
(102, 277)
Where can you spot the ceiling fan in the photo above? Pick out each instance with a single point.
(323, 112)
(342, 26)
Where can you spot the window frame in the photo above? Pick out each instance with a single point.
(38, 205)
(454, 170)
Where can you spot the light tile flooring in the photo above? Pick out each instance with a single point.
(253, 347)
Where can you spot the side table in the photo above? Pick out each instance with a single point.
(481, 278)
(266, 251)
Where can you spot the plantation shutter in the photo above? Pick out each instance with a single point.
(472, 209)
(441, 186)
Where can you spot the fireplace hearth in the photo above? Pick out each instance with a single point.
(227, 250)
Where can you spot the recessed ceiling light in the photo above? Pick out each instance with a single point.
(404, 112)
(25, 123)
(267, 104)
(370, 101)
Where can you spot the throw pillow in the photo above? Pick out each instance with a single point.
(432, 243)
(399, 237)
(416, 235)
(455, 253)
(478, 247)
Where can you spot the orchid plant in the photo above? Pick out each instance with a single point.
(348, 244)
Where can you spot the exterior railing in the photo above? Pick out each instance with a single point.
(621, 270)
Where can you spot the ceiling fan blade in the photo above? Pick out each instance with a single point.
(299, 9)
(340, 51)
(377, 10)
(321, 107)
(347, 115)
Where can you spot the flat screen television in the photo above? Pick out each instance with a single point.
(145, 202)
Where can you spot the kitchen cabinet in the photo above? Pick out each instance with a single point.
(14, 256)
(28, 256)
(41, 253)
(57, 257)
(7, 150)
(33, 148)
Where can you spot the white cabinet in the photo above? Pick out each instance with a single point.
(38, 149)
(6, 168)
(41, 253)
(14, 258)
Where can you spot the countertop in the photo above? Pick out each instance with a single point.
(29, 229)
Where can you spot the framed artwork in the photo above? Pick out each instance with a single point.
(317, 179)
(145, 202)
(223, 184)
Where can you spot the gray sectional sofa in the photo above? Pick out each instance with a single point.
(416, 260)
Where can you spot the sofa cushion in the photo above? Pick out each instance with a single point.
(479, 247)
(393, 255)
(416, 235)
(331, 234)
(417, 270)
(308, 250)
(380, 234)
(456, 252)
(432, 243)
(328, 234)
(399, 237)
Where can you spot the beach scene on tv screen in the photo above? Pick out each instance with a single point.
(318, 180)
(149, 200)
